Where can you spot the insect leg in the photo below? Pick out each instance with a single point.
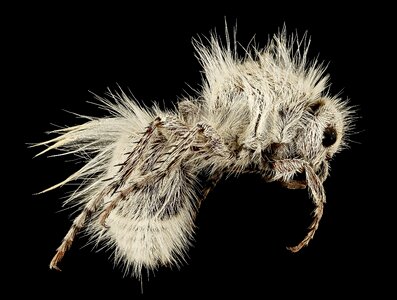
(182, 145)
(178, 148)
(287, 167)
(78, 224)
(135, 158)
(316, 190)
(128, 166)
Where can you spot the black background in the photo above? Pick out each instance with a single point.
(57, 54)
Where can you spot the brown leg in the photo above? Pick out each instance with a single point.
(316, 190)
(77, 225)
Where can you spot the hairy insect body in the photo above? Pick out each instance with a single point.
(267, 113)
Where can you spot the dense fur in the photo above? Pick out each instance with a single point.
(268, 113)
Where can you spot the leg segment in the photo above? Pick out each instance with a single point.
(180, 146)
(77, 225)
(316, 191)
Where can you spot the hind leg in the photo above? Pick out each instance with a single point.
(176, 153)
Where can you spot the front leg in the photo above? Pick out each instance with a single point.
(287, 167)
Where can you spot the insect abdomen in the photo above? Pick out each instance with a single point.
(153, 226)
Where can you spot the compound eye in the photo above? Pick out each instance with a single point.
(329, 136)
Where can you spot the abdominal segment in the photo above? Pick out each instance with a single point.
(154, 225)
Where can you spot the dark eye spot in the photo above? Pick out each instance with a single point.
(329, 136)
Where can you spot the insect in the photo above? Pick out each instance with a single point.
(147, 170)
